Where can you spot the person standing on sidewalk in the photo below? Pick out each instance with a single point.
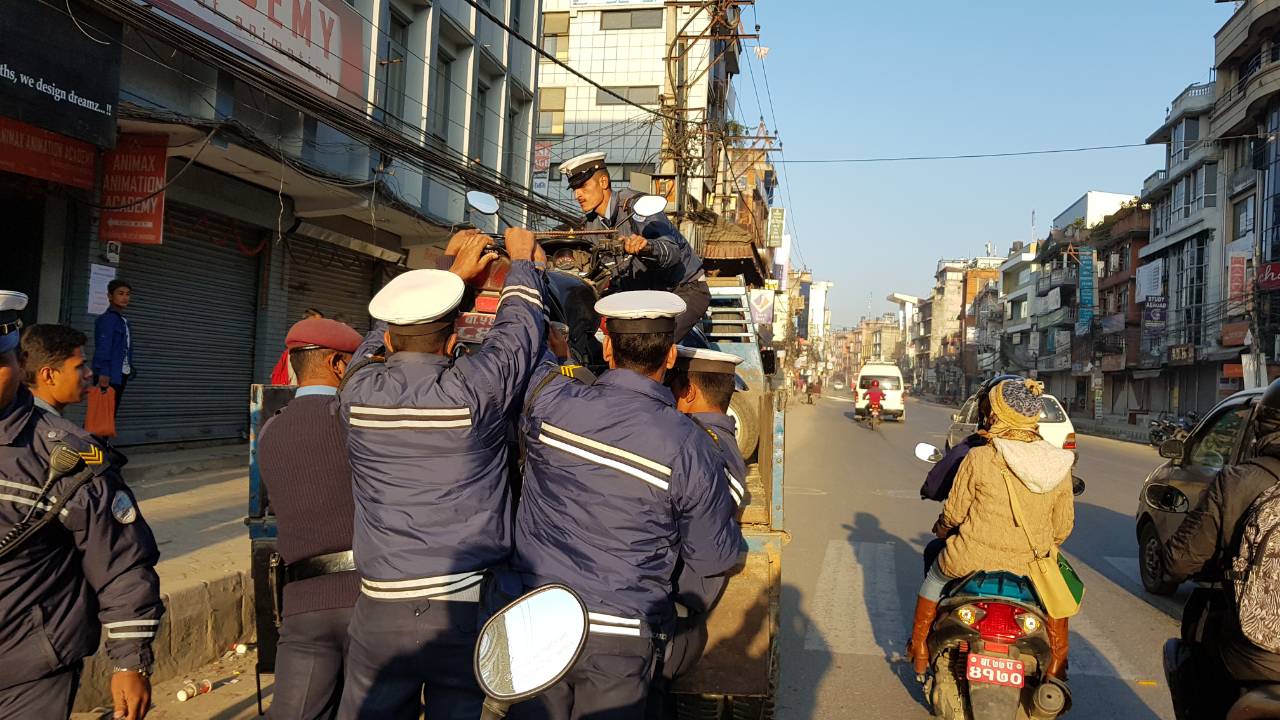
(302, 454)
(56, 371)
(61, 587)
(113, 341)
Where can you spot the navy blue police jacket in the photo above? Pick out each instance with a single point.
(427, 441)
(618, 486)
(673, 260)
(93, 568)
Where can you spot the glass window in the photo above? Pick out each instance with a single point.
(1051, 411)
(630, 19)
(391, 68)
(555, 34)
(969, 413)
(886, 382)
(551, 111)
(481, 108)
(442, 92)
(1212, 446)
(646, 95)
(1244, 217)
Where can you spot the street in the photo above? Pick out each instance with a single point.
(852, 569)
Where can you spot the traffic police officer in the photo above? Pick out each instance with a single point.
(76, 556)
(668, 262)
(703, 382)
(427, 440)
(618, 486)
(302, 456)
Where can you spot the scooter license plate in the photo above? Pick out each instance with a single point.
(995, 670)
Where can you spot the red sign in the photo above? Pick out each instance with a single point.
(1232, 370)
(37, 153)
(1233, 333)
(1236, 278)
(1269, 278)
(132, 178)
(472, 327)
(541, 156)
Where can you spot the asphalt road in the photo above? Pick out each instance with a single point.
(852, 569)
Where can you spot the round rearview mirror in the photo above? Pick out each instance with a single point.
(1077, 485)
(482, 202)
(647, 205)
(530, 644)
(928, 453)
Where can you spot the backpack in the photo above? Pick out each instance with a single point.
(1255, 570)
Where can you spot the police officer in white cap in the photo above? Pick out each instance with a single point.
(661, 258)
(76, 556)
(619, 486)
(427, 443)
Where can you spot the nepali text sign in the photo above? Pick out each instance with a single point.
(54, 77)
(1084, 316)
(1155, 312)
(319, 41)
(777, 224)
(1182, 354)
(37, 153)
(132, 190)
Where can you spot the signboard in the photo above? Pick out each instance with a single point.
(1148, 280)
(1155, 313)
(1084, 313)
(1182, 354)
(1052, 301)
(540, 184)
(53, 76)
(1269, 277)
(1233, 334)
(1113, 323)
(319, 41)
(37, 153)
(611, 3)
(762, 307)
(541, 157)
(777, 223)
(99, 277)
(1232, 370)
(132, 176)
(1236, 280)
(1112, 363)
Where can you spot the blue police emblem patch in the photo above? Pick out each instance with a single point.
(122, 508)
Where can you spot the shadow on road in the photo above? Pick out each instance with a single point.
(1112, 539)
(805, 670)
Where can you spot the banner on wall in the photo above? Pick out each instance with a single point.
(133, 179)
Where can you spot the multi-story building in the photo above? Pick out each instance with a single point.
(1183, 260)
(923, 376)
(984, 322)
(1117, 327)
(980, 275)
(1018, 293)
(908, 319)
(1246, 120)
(654, 55)
(383, 113)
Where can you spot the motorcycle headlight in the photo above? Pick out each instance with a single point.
(1029, 623)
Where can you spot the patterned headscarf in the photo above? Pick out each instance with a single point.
(1016, 408)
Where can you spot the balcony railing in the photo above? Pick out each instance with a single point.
(1059, 360)
(1243, 178)
(1153, 181)
(1195, 97)
(1061, 316)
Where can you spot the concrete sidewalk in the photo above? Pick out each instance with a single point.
(195, 501)
(1111, 428)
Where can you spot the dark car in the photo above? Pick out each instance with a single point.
(1224, 437)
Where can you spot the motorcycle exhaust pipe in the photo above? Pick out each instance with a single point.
(1051, 699)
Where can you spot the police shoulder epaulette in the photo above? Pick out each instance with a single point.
(579, 373)
(95, 453)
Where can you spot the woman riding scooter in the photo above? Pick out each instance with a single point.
(982, 535)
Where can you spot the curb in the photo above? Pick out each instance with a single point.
(144, 467)
(1132, 436)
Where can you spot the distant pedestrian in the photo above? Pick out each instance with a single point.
(282, 373)
(113, 341)
(302, 454)
(56, 371)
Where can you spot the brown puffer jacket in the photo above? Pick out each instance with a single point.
(979, 508)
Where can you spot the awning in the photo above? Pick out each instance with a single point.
(728, 242)
(1219, 354)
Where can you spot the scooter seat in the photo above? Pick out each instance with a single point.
(1259, 703)
(993, 584)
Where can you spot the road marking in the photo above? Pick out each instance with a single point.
(805, 491)
(856, 609)
(1094, 652)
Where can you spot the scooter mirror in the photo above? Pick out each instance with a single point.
(928, 453)
(648, 205)
(482, 202)
(529, 645)
(1077, 485)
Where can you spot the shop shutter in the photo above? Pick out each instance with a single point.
(332, 279)
(192, 320)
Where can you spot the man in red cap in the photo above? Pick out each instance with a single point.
(302, 454)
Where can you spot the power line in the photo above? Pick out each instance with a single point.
(966, 156)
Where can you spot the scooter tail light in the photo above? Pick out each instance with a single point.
(969, 614)
(998, 622)
(1029, 623)
(1070, 442)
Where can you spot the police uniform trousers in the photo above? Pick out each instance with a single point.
(697, 298)
(406, 655)
(44, 698)
(309, 665)
(611, 681)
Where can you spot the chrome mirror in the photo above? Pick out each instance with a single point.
(529, 645)
(482, 202)
(928, 453)
(648, 205)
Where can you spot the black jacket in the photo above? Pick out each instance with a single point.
(1209, 539)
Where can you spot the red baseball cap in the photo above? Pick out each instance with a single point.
(322, 333)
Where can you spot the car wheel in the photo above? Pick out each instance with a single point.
(1151, 562)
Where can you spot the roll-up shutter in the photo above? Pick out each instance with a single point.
(334, 280)
(192, 321)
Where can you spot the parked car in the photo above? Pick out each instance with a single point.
(890, 378)
(1055, 425)
(1224, 437)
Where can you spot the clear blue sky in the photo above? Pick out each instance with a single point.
(861, 78)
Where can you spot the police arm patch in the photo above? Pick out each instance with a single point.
(122, 508)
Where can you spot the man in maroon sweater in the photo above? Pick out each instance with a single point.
(302, 454)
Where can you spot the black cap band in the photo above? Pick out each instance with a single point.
(691, 364)
(640, 326)
(427, 328)
(583, 174)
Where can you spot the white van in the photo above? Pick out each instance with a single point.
(890, 378)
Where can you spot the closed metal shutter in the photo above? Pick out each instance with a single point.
(192, 321)
(334, 280)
